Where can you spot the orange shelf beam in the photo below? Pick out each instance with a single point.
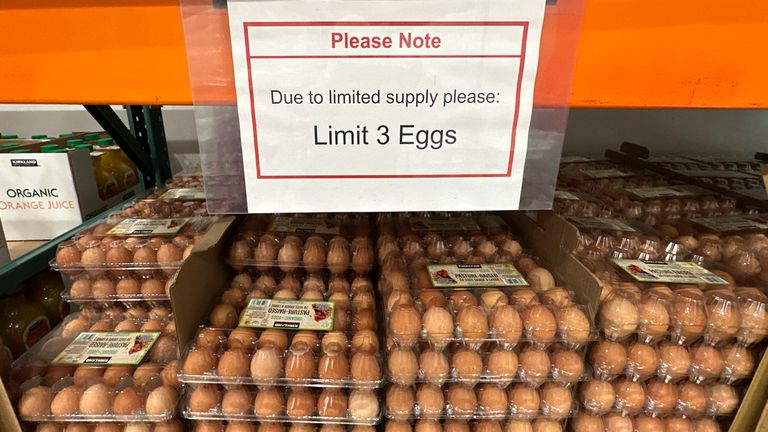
(631, 53)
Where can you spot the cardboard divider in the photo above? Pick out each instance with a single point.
(201, 280)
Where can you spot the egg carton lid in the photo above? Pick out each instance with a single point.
(160, 298)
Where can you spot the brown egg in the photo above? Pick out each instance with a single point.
(573, 325)
(365, 367)
(85, 375)
(438, 324)
(455, 426)
(224, 316)
(341, 320)
(68, 256)
(706, 425)
(674, 360)
(101, 427)
(144, 373)
(208, 426)
(81, 288)
(753, 307)
(556, 401)
(557, 297)
(243, 338)
(619, 317)
(56, 372)
(616, 422)
(333, 364)
(289, 256)
(534, 365)
(82, 427)
(128, 401)
(492, 399)
(267, 363)
(506, 324)
(693, 399)
(203, 398)
(434, 367)
(539, 324)
(661, 396)
(567, 366)
(608, 358)
(173, 425)
(114, 374)
(461, 399)
(653, 317)
(428, 426)
(268, 402)
(314, 254)
(94, 259)
(66, 401)
(365, 341)
(127, 287)
(584, 422)
(405, 325)
(363, 300)
(35, 402)
(738, 362)
(642, 360)
(724, 318)
(127, 325)
(597, 396)
(523, 297)
(524, 400)
(402, 365)
(400, 402)
(461, 299)
(301, 402)
(103, 288)
(723, 399)
(162, 400)
(334, 338)
(706, 362)
(677, 424)
(430, 400)
(364, 319)
(169, 254)
(467, 365)
(301, 427)
(96, 399)
(169, 374)
(472, 323)
(492, 299)
(332, 402)
(276, 337)
(540, 279)
(432, 298)
(502, 365)
(630, 396)
(688, 316)
(233, 363)
(300, 363)
(396, 426)
(144, 255)
(363, 404)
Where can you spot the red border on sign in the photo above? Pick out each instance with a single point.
(523, 24)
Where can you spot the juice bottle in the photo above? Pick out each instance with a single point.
(45, 289)
(48, 148)
(22, 324)
(91, 137)
(74, 142)
(105, 181)
(113, 162)
(40, 136)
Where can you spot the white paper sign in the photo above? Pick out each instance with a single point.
(384, 105)
(38, 199)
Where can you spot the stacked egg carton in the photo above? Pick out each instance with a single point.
(117, 272)
(670, 354)
(503, 354)
(241, 368)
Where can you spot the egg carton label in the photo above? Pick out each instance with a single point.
(305, 224)
(732, 223)
(429, 224)
(108, 348)
(598, 223)
(676, 272)
(148, 226)
(606, 173)
(475, 275)
(565, 195)
(288, 314)
(184, 194)
(661, 192)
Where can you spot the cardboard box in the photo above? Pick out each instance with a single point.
(5, 254)
(45, 194)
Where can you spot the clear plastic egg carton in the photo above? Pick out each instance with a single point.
(667, 361)
(352, 296)
(500, 366)
(121, 396)
(658, 398)
(569, 202)
(189, 179)
(586, 422)
(505, 323)
(173, 425)
(134, 320)
(461, 425)
(684, 314)
(490, 244)
(301, 242)
(487, 401)
(275, 357)
(119, 246)
(331, 405)
(348, 289)
(109, 287)
(737, 244)
(153, 206)
(250, 426)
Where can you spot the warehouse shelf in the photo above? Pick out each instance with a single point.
(632, 53)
